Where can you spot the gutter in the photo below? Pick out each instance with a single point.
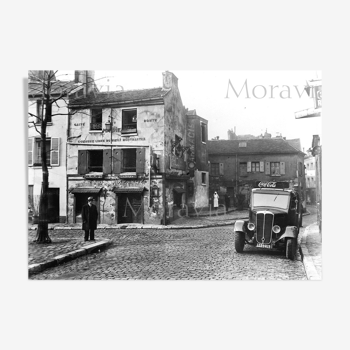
(89, 104)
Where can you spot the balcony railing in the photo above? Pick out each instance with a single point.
(96, 126)
(132, 127)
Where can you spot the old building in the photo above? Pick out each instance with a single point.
(235, 165)
(136, 152)
(310, 178)
(56, 137)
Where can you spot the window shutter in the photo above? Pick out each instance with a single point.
(82, 162)
(267, 168)
(283, 168)
(30, 151)
(117, 161)
(221, 168)
(140, 160)
(55, 151)
(107, 161)
(249, 167)
(261, 167)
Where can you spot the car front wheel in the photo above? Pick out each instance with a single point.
(291, 248)
(239, 241)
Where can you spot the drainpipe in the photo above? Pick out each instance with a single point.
(66, 166)
(236, 179)
(164, 204)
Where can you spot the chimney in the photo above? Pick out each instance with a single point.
(85, 77)
(169, 80)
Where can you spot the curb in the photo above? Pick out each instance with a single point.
(59, 259)
(309, 266)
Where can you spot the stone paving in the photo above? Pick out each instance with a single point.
(66, 238)
(187, 254)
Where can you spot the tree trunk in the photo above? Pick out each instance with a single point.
(42, 233)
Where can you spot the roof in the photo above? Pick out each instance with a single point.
(191, 112)
(255, 146)
(295, 143)
(58, 87)
(116, 97)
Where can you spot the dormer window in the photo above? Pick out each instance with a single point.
(242, 144)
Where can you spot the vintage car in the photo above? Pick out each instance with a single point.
(275, 216)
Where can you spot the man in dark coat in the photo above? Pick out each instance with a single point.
(89, 216)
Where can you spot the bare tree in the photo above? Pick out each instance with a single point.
(44, 87)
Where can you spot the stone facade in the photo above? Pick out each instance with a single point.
(129, 150)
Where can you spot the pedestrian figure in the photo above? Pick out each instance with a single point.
(89, 216)
(216, 200)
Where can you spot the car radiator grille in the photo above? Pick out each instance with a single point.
(264, 223)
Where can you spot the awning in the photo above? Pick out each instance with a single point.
(129, 189)
(179, 190)
(86, 190)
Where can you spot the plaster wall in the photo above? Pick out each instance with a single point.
(150, 135)
(57, 174)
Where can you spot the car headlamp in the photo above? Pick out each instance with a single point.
(251, 226)
(276, 229)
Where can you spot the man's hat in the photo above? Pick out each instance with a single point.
(90, 198)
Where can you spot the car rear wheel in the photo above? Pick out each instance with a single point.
(239, 241)
(291, 248)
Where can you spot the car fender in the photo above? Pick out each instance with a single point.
(240, 226)
(291, 232)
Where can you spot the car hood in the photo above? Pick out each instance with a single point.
(271, 210)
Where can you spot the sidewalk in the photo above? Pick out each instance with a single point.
(311, 251)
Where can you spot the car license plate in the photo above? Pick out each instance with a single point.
(261, 245)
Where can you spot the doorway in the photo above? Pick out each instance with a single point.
(130, 209)
(53, 208)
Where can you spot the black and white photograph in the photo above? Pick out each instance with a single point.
(179, 176)
(130, 180)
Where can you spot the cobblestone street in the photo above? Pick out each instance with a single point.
(187, 254)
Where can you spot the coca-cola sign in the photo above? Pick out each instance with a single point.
(267, 184)
(272, 184)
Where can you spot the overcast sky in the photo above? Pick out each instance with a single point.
(206, 92)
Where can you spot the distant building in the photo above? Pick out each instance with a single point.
(235, 165)
(310, 178)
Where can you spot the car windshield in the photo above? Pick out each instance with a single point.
(275, 200)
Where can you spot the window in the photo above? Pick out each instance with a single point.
(204, 178)
(255, 167)
(204, 132)
(214, 169)
(52, 151)
(129, 121)
(243, 169)
(242, 144)
(95, 161)
(275, 169)
(96, 119)
(129, 160)
(37, 152)
(40, 112)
